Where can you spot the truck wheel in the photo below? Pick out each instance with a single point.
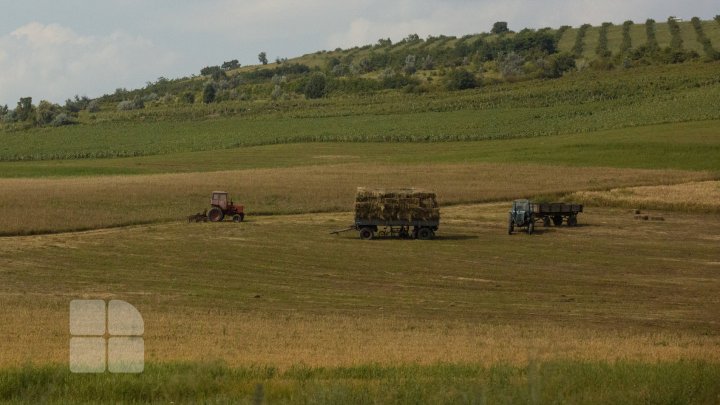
(531, 228)
(546, 221)
(425, 234)
(558, 220)
(216, 215)
(366, 234)
(238, 217)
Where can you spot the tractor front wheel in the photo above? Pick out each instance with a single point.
(531, 228)
(511, 225)
(216, 214)
(238, 217)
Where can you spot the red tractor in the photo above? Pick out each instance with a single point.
(222, 206)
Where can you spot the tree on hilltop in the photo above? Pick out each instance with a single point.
(262, 57)
(500, 27)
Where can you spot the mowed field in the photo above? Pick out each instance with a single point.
(278, 309)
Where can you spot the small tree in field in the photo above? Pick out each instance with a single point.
(262, 57)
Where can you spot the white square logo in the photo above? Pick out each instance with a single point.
(106, 337)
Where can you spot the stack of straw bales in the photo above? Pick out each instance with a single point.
(396, 205)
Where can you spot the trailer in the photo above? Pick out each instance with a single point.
(401, 213)
(423, 230)
(557, 212)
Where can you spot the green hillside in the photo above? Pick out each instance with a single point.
(497, 75)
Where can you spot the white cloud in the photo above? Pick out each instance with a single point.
(54, 62)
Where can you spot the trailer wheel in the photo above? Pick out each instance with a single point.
(366, 234)
(558, 220)
(546, 221)
(531, 228)
(425, 234)
(215, 214)
(572, 220)
(238, 217)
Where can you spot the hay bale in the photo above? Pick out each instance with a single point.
(396, 205)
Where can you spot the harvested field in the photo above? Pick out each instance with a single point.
(289, 293)
(703, 196)
(68, 204)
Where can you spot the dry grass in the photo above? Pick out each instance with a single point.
(701, 196)
(288, 339)
(609, 289)
(51, 205)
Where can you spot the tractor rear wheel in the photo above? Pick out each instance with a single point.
(366, 234)
(216, 214)
(425, 234)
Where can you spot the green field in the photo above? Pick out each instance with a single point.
(580, 103)
(276, 309)
(686, 382)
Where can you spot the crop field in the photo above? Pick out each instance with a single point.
(624, 308)
(570, 105)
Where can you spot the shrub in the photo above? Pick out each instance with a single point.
(209, 93)
(127, 105)
(188, 97)
(63, 119)
(460, 79)
(511, 65)
(316, 86)
(233, 64)
(46, 112)
(93, 106)
(210, 70)
(77, 104)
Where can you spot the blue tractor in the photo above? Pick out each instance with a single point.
(522, 216)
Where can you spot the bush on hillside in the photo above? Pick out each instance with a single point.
(316, 86)
(460, 79)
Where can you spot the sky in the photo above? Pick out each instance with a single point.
(53, 50)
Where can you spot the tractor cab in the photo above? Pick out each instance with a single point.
(219, 199)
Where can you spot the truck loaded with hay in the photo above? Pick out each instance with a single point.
(405, 213)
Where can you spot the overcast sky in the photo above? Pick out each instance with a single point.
(54, 49)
